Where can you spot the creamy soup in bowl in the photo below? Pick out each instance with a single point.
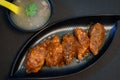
(33, 16)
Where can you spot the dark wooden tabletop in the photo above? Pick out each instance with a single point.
(108, 66)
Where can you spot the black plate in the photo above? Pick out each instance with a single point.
(61, 28)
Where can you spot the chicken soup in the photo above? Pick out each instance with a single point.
(34, 14)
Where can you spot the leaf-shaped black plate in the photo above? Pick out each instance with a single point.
(61, 28)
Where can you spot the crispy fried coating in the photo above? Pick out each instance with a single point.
(97, 36)
(54, 52)
(70, 46)
(83, 40)
(36, 57)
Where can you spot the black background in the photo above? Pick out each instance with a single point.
(108, 66)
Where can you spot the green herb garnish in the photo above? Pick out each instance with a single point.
(31, 9)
